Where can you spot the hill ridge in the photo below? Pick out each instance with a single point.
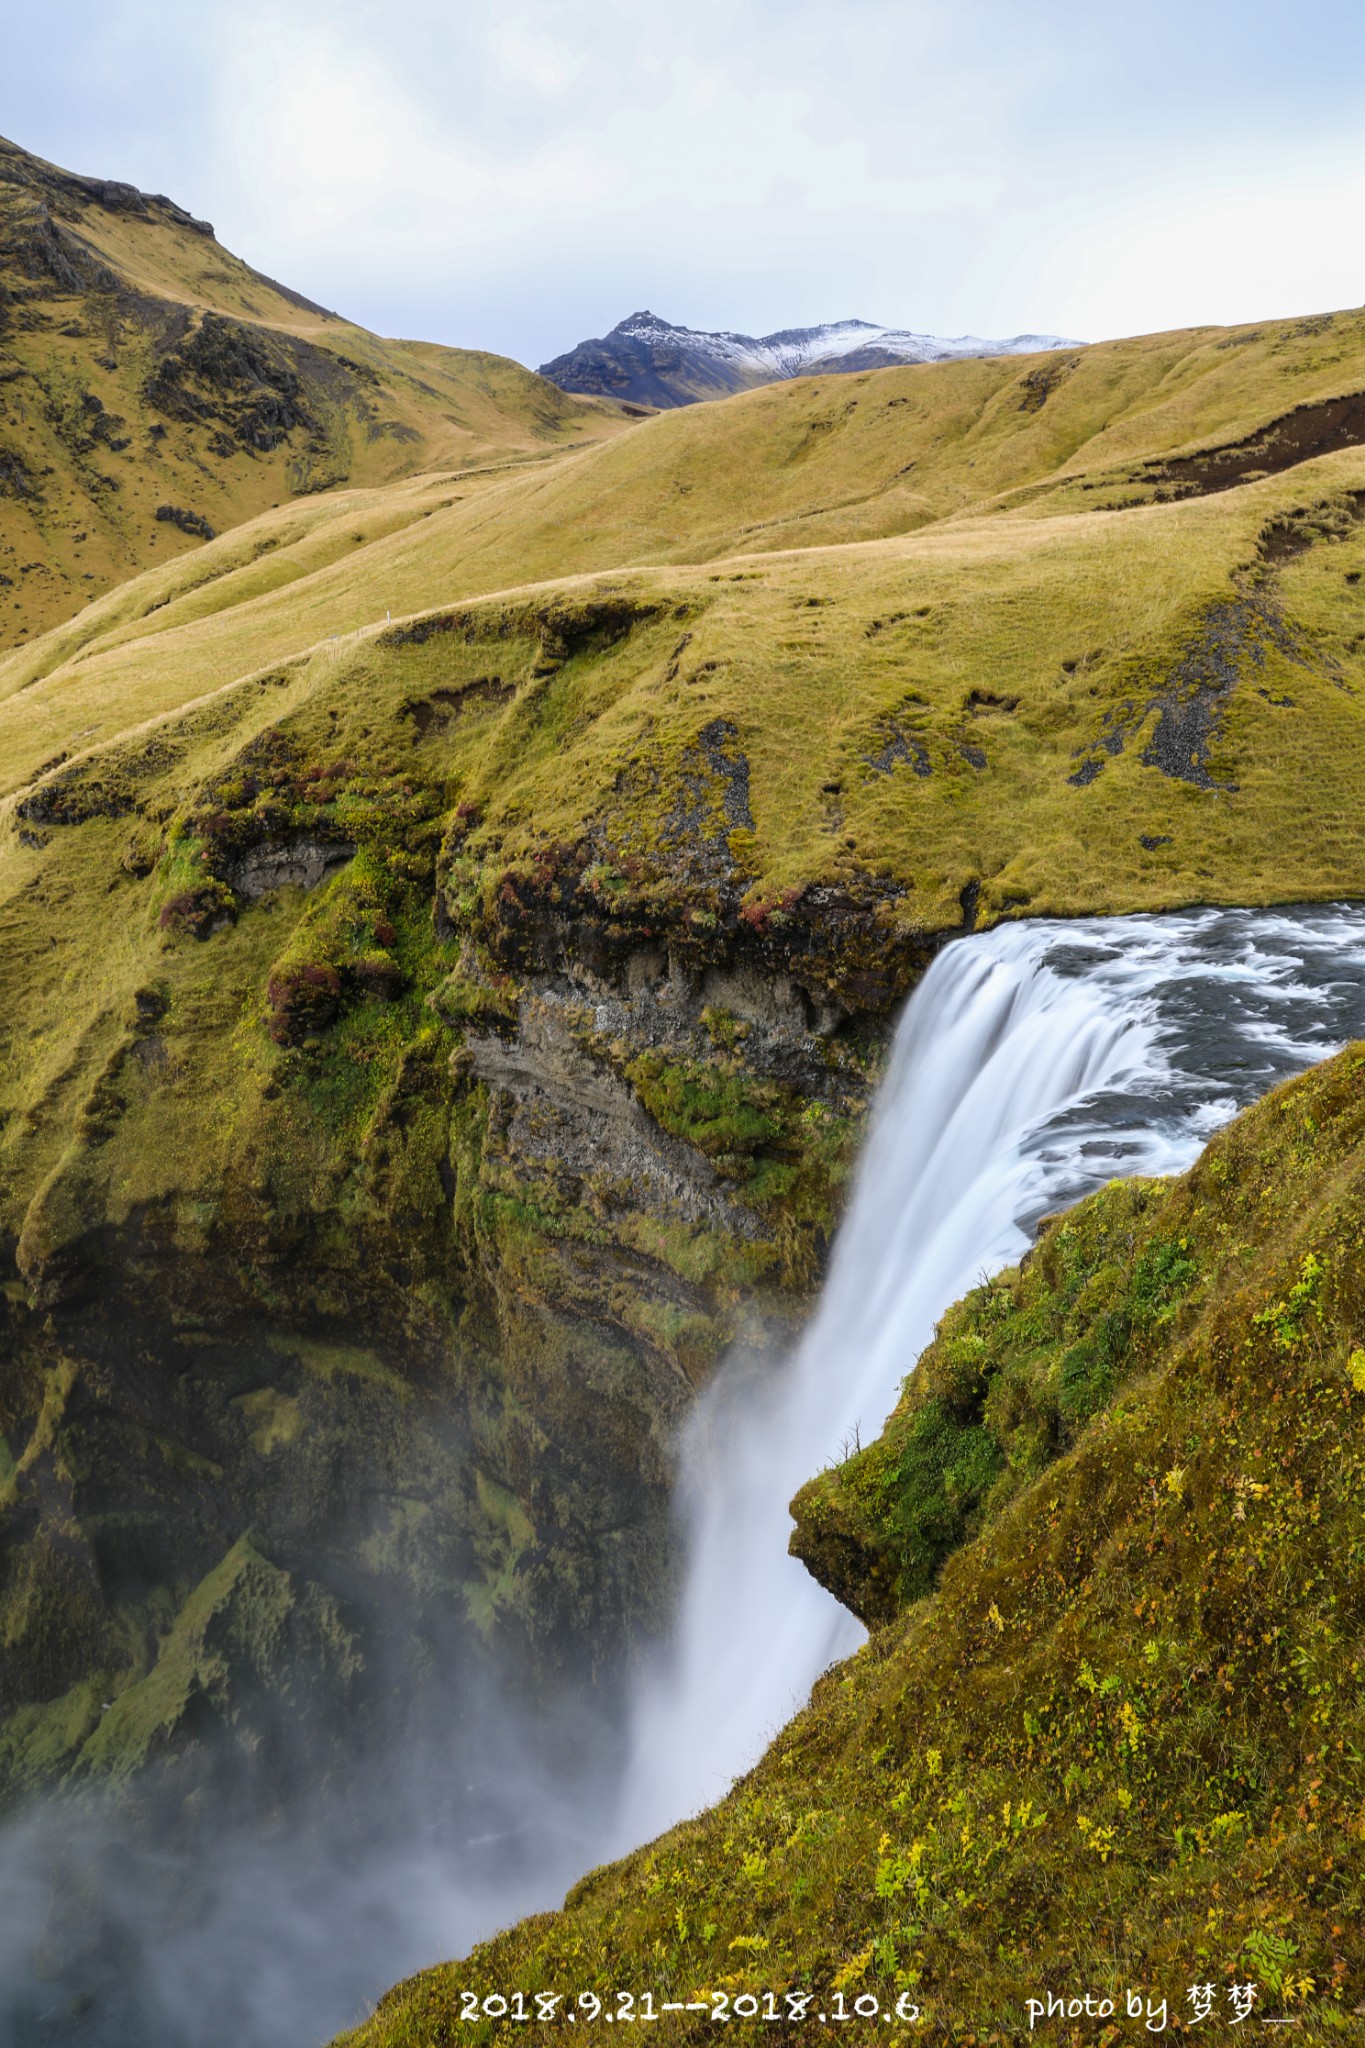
(155, 389)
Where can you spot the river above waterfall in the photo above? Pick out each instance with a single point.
(1033, 1063)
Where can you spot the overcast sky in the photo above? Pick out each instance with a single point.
(519, 174)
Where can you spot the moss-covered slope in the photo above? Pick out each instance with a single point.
(420, 1054)
(154, 390)
(1109, 1734)
(426, 1041)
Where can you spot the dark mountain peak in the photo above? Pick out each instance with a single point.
(647, 319)
(654, 362)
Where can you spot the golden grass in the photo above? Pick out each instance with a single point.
(816, 464)
(81, 519)
(1070, 619)
(1073, 616)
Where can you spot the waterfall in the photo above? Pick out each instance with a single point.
(1033, 1063)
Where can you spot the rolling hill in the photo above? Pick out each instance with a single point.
(368, 870)
(949, 465)
(155, 389)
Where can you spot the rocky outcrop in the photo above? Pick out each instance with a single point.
(187, 521)
(361, 1360)
(293, 863)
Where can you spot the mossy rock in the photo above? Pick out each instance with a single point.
(249, 1643)
(1015, 1371)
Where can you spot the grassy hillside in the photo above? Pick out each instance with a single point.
(1118, 1743)
(143, 366)
(468, 909)
(1019, 703)
(369, 902)
(806, 466)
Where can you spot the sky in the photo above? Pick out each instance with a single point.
(520, 174)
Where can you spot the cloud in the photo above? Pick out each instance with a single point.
(519, 175)
(1236, 241)
(549, 65)
(332, 146)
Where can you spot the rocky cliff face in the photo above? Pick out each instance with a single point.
(379, 1205)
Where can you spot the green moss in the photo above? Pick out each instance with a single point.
(39, 1743)
(507, 1534)
(272, 1418)
(461, 1000)
(723, 1112)
(338, 1361)
(691, 1336)
(231, 1636)
(1015, 1371)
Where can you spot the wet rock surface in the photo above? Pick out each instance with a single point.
(287, 864)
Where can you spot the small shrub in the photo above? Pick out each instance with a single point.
(200, 912)
(1090, 1371)
(376, 974)
(303, 1001)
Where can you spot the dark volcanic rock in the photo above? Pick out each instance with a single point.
(241, 376)
(188, 522)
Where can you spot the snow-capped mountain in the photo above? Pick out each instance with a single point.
(652, 362)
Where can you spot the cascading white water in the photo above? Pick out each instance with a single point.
(1034, 1063)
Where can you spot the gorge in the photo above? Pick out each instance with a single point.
(1034, 1063)
(460, 877)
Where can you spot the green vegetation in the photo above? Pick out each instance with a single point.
(504, 976)
(1074, 712)
(1014, 1375)
(452, 922)
(1119, 1744)
(1017, 1370)
(721, 1112)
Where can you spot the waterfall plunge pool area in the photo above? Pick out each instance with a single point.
(1033, 1063)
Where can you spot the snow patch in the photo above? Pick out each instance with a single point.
(798, 351)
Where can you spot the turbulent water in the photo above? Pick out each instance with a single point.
(1033, 1063)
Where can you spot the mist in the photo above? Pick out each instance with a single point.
(184, 1916)
(268, 1883)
